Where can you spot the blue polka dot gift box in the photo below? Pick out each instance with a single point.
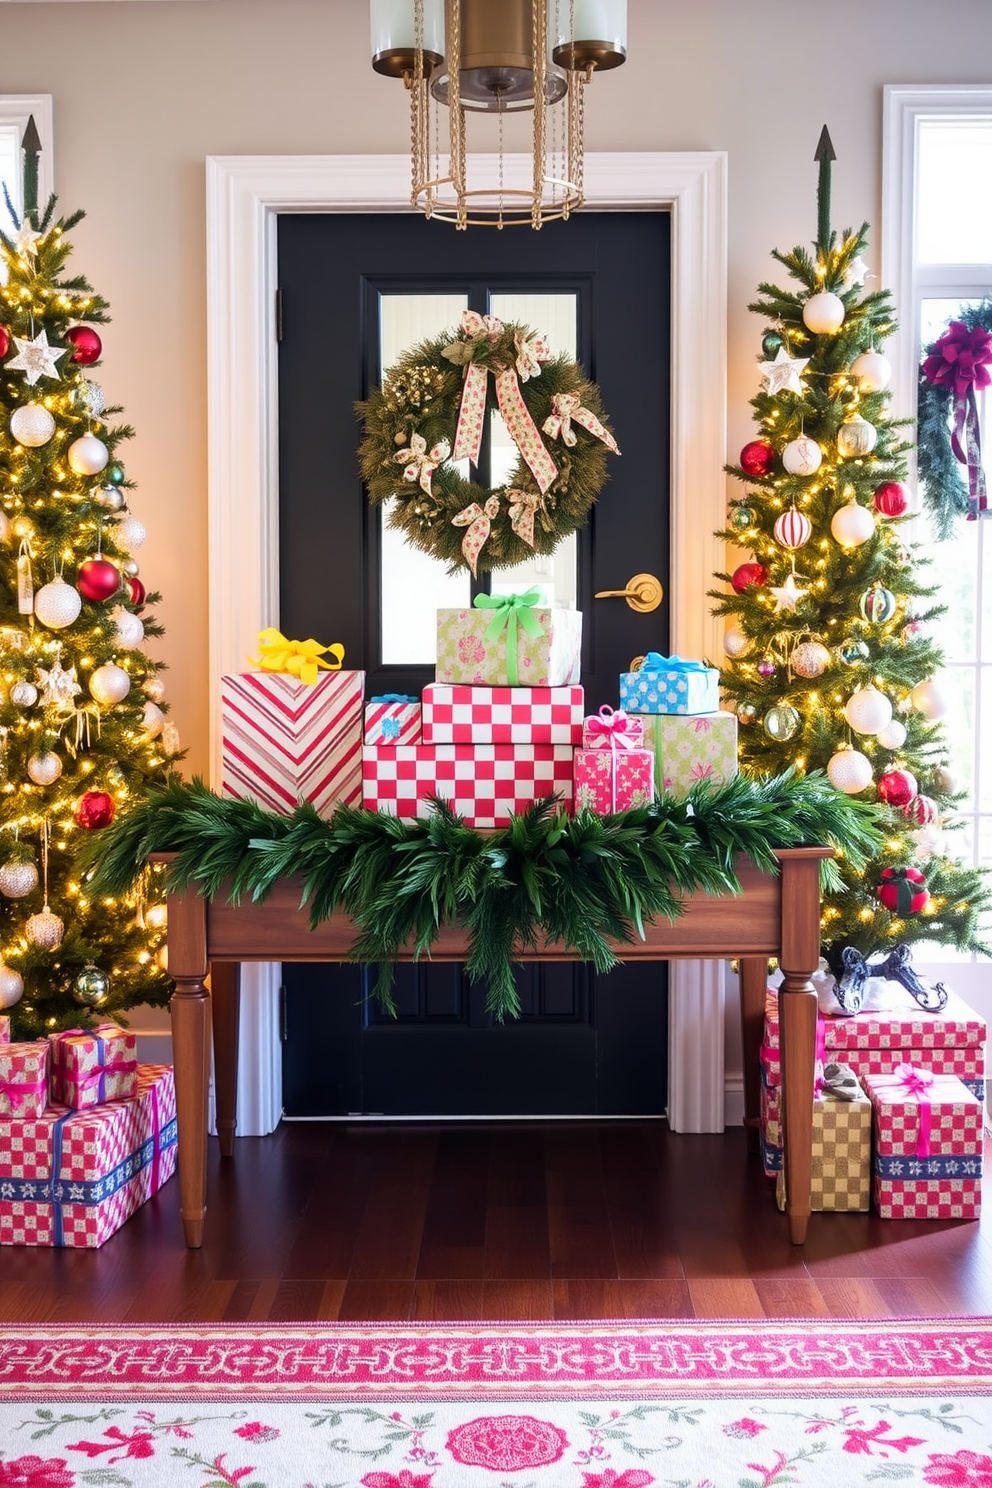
(668, 684)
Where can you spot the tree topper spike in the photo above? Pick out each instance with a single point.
(31, 140)
(825, 153)
(825, 149)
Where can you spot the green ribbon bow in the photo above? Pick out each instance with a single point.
(512, 612)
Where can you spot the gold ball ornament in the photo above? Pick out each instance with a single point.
(109, 684)
(856, 437)
(802, 456)
(868, 710)
(823, 313)
(87, 455)
(45, 930)
(32, 425)
(782, 722)
(852, 525)
(58, 604)
(11, 986)
(810, 659)
(18, 879)
(945, 781)
(91, 987)
(849, 771)
(45, 767)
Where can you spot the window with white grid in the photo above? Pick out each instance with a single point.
(15, 111)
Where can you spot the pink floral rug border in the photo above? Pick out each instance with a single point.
(488, 1361)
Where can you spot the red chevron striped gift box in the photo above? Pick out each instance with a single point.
(484, 783)
(285, 741)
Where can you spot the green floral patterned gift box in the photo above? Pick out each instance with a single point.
(508, 640)
(690, 749)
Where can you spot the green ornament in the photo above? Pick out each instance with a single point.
(782, 722)
(91, 987)
(853, 653)
(746, 713)
(771, 342)
(115, 474)
(742, 518)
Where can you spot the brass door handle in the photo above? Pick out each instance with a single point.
(643, 593)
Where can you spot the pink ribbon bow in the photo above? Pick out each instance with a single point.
(17, 1092)
(959, 360)
(613, 725)
(910, 1080)
(478, 519)
(420, 462)
(523, 509)
(566, 407)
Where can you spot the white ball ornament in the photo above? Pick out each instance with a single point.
(153, 719)
(802, 456)
(18, 879)
(45, 930)
(45, 767)
(87, 455)
(868, 710)
(823, 313)
(11, 985)
(58, 604)
(154, 688)
(893, 735)
(928, 699)
(856, 437)
(735, 643)
(130, 532)
(873, 371)
(129, 630)
(849, 771)
(852, 525)
(109, 684)
(32, 425)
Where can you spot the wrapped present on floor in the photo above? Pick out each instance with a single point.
(24, 1079)
(509, 640)
(393, 718)
(4, 1029)
(928, 1140)
(668, 684)
(484, 783)
(292, 731)
(841, 1168)
(600, 729)
(691, 750)
(614, 773)
(88, 1068)
(71, 1178)
(502, 715)
(874, 1042)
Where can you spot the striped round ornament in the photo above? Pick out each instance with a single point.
(792, 529)
(922, 811)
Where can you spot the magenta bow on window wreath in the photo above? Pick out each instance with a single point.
(959, 360)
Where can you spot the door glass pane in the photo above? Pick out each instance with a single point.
(413, 585)
(10, 172)
(555, 574)
(954, 157)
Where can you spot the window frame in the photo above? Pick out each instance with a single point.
(17, 108)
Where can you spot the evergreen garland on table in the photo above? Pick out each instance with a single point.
(581, 882)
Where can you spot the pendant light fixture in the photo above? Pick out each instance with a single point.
(497, 57)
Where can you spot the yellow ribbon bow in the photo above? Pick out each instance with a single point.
(298, 658)
(564, 408)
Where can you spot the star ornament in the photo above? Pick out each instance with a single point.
(36, 358)
(783, 373)
(856, 273)
(26, 241)
(58, 687)
(787, 595)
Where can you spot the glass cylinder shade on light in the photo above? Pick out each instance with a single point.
(394, 37)
(600, 38)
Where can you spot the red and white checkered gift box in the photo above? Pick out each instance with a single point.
(600, 729)
(89, 1068)
(502, 715)
(24, 1079)
(928, 1144)
(484, 783)
(71, 1178)
(393, 719)
(286, 741)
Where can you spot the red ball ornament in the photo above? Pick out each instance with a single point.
(747, 574)
(95, 809)
(922, 811)
(135, 589)
(98, 579)
(903, 890)
(757, 458)
(4, 341)
(890, 499)
(86, 345)
(897, 788)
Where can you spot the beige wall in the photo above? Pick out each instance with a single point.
(145, 89)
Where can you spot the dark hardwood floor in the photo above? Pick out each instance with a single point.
(529, 1220)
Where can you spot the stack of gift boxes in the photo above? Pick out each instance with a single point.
(910, 1141)
(87, 1134)
(504, 725)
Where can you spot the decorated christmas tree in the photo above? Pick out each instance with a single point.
(83, 725)
(829, 661)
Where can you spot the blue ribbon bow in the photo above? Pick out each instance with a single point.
(654, 662)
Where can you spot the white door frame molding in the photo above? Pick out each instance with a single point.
(245, 195)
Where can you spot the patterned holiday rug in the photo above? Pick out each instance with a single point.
(599, 1405)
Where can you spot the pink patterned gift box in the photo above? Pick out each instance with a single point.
(89, 1068)
(285, 741)
(613, 780)
(472, 652)
(484, 783)
(71, 1178)
(24, 1079)
(691, 750)
(393, 719)
(502, 715)
(928, 1143)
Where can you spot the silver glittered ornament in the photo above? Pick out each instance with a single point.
(154, 688)
(45, 767)
(112, 498)
(131, 567)
(24, 694)
(18, 879)
(130, 533)
(90, 396)
(810, 659)
(129, 629)
(11, 985)
(32, 425)
(57, 604)
(92, 986)
(45, 930)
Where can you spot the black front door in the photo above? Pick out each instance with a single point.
(585, 1044)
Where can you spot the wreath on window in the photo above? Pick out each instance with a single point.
(956, 367)
(430, 413)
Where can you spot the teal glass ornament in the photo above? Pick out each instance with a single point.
(853, 653)
(771, 342)
(115, 474)
(782, 723)
(742, 518)
(877, 604)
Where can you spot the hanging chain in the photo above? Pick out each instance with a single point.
(456, 165)
(539, 45)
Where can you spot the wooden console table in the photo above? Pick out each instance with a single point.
(775, 915)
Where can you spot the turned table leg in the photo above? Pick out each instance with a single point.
(190, 1009)
(225, 1002)
(797, 1024)
(753, 986)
